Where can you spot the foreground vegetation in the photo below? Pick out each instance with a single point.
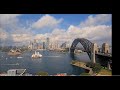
(97, 69)
(105, 72)
(41, 73)
(84, 74)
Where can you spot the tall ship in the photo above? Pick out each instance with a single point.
(36, 55)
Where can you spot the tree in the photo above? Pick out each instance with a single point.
(97, 68)
(42, 73)
(85, 74)
(90, 64)
(73, 62)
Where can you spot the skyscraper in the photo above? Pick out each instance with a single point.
(43, 45)
(47, 43)
(30, 46)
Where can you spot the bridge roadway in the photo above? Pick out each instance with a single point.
(103, 54)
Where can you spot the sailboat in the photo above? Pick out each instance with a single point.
(36, 55)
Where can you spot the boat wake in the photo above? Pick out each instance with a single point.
(11, 64)
(19, 57)
(52, 56)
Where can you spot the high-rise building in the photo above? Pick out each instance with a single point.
(47, 43)
(50, 45)
(43, 45)
(35, 44)
(30, 46)
(35, 40)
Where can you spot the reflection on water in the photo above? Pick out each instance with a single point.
(52, 56)
(72, 55)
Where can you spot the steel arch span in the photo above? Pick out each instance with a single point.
(85, 43)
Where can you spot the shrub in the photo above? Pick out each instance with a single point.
(73, 61)
(89, 64)
(42, 73)
(97, 68)
(85, 74)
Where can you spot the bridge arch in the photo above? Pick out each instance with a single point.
(85, 43)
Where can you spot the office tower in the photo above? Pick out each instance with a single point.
(47, 43)
(43, 45)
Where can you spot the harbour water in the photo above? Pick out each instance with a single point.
(51, 62)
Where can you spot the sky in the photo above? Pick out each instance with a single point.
(20, 29)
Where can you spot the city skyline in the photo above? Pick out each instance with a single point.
(21, 28)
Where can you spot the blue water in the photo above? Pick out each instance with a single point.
(51, 62)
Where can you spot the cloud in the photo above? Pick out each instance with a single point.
(91, 33)
(58, 35)
(41, 37)
(8, 20)
(11, 31)
(8, 25)
(94, 28)
(21, 37)
(55, 35)
(3, 34)
(58, 32)
(96, 20)
(46, 21)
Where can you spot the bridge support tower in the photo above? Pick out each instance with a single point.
(94, 49)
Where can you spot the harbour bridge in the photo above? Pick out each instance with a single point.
(90, 48)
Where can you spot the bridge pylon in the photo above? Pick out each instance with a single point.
(94, 49)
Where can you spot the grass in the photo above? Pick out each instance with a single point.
(84, 74)
(105, 72)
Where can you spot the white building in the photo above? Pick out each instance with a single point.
(16, 72)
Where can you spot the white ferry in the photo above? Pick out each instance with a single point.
(36, 55)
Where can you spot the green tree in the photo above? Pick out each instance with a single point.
(73, 62)
(97, 68)
(42, 73)
(90, 64)
(85, 74)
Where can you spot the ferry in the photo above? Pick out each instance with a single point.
(36, 55)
